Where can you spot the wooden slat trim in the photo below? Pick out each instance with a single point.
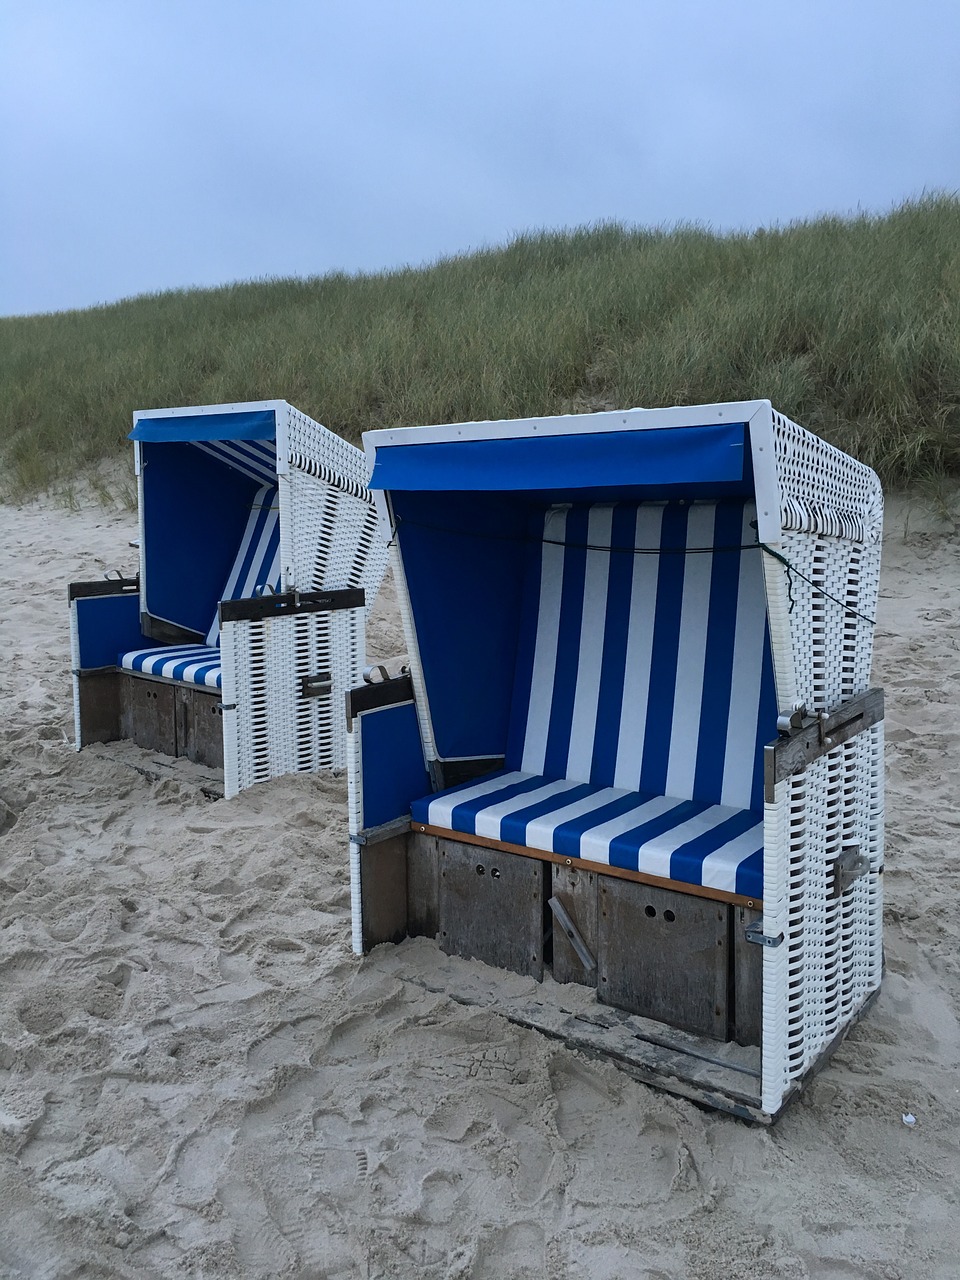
(599, 868)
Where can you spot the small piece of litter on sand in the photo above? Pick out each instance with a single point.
(908, 1119)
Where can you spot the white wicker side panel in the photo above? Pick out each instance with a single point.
(333, 540)
(832, 642)
(275, 729)
(330, 537)
(245, 650)
(235, 659)
(778, 820)
(822, 489)
(831, 956)
(830, 960)
(328, 541)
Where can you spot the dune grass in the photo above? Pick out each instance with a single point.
(850, 326)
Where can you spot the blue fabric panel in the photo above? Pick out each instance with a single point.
(195, 510)
(392, 768)
(766, 722)
(105, 626)
(463, 559)
(259, 424)
(685, 455)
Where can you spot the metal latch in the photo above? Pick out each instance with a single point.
(316, 686)
(754, 933)
(850, 866)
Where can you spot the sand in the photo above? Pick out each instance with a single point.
(198, 1078)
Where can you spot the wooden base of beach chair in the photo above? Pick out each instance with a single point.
(158, 715)
(177, 720)
(680, 960)
(99, 694)
(148, 714)
(199, 726)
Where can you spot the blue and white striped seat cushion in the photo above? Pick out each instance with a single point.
(643, 677)
(188, 663)
(256, 565)
(715, 846)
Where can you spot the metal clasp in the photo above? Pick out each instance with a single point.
(754, 933)
(850, 866)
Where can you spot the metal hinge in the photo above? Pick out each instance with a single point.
(754, 933)
(850, 866)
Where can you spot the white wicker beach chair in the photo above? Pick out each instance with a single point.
(637, 745)
(237, 642)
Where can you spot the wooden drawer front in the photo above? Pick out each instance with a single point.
(491, 907)
(664, 955)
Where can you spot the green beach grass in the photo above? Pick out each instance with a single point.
(850, 326)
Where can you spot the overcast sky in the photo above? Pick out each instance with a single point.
(154, 144)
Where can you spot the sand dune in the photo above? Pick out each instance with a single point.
(198, 1078)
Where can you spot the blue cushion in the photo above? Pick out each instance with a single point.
(690, 841)
(189, 663)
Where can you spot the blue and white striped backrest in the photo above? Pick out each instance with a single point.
(644, 661)
(257, 562)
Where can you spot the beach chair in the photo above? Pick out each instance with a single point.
(637, 756)
(236, 643)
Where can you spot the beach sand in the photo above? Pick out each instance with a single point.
(198, 1077)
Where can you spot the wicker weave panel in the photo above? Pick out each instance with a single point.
(277, 729)
(821, 604)
(822, 489)
(328, 541)
(831, 958)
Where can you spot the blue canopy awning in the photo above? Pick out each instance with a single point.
(712, 454)
(257, 424)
